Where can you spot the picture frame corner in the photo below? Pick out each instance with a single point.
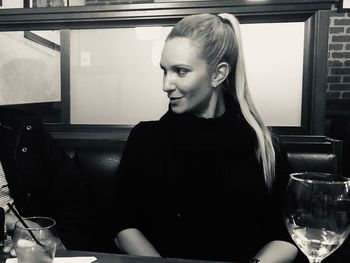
(344, 6)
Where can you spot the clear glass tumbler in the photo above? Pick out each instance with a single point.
(36, 242)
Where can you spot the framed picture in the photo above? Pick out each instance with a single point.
(49, 39)
(116, 2)
(41, 3)
(344, 6)
(45, 3)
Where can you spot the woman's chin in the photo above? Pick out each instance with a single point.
(177, 109)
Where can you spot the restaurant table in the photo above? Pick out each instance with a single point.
(118, 258)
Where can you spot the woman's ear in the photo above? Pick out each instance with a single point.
(220, 73)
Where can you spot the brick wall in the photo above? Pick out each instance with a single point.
(338, 86)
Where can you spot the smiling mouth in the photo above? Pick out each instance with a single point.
(176, 98)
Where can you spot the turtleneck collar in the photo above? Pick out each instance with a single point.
(190, 133)
(189, 118)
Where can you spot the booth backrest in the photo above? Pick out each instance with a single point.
(99, 160)
(99, 163)
(313, 153)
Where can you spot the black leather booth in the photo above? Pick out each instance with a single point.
(313, 153)
(99, 162)
(98, 159)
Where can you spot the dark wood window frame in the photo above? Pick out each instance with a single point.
(315, 14)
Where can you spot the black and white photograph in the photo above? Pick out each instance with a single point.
(184, 131)
(46, 3)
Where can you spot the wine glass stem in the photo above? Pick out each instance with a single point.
(315, 261)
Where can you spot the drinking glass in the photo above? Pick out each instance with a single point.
(317, 212)
(36, 242)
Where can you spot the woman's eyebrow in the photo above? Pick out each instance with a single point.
(176, 66)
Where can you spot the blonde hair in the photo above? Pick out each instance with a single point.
(219, 37)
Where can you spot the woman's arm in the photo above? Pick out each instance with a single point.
(133, 242)
(276, 252)
(131, 183)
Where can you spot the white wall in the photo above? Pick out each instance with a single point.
(115, 76)
(12, 4)
(76, 2)
(274, 64)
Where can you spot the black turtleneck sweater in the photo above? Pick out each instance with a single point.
(195, 188)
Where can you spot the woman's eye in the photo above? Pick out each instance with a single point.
(181, 72)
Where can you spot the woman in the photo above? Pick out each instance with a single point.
(200, 182)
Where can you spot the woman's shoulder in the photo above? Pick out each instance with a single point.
(145, 131)
(145, 139)
(146, 128)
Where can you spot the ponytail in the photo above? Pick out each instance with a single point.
(239, 89)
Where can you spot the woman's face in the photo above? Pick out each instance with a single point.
(187, 79)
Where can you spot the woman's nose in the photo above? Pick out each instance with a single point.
(168, 84)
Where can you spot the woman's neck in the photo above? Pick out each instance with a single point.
(216, 106)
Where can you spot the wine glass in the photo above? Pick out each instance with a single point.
(317, 212)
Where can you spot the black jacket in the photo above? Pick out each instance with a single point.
(43, 181)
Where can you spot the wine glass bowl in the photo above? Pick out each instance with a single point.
(317, 212)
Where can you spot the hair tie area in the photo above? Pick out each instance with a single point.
(225, 20)
(222, 19)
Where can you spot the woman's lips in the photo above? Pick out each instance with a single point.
(175, 98)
